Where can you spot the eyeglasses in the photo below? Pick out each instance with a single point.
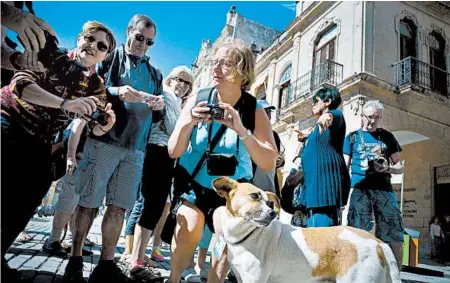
(222, 63)
(180, 80)
(372, 117)
(101, 46)
(148, 41)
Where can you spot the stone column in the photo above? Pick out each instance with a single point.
(275, 101)
(295, 57)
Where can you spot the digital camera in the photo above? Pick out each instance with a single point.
(215, 111)
(100, 116)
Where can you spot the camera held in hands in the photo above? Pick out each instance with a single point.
(100, 116)
(215, 111)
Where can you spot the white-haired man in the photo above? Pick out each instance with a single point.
(374, 154)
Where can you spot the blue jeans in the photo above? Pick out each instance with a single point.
(135, 215)
(322, 216)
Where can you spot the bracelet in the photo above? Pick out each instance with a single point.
(62, 104)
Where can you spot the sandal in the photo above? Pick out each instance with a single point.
(24, 238)
(88, 242)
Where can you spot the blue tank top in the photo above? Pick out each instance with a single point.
(227, 145)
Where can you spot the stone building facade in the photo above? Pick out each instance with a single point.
(396, 52)
(252, 33)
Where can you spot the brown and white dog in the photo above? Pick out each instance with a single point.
(262, 249)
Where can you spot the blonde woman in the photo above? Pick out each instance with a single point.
(157, 173)
(247, 136)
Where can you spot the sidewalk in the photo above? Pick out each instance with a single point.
(38, 267)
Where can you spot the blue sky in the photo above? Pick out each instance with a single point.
(181, 25)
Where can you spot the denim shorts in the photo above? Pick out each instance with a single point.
(383, 204)
(111, 171)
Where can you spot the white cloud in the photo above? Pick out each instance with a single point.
(290, 6)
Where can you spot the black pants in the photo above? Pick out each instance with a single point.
(26, 178)
(156, 183)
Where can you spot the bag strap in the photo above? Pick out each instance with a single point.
(213, 144)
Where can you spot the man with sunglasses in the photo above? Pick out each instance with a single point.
(113, 163)
(374, 154)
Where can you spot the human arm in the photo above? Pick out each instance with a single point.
(29, 28)
(261, 145)
(72, 144)
(189, 117)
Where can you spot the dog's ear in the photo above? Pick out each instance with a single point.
(224, 185)
(273, 197)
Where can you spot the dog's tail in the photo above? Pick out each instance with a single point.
(392, 272)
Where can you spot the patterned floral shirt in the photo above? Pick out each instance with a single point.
(46, 123)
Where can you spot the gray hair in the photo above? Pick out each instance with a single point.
(136, 19)
(175, 72)
(376, 104)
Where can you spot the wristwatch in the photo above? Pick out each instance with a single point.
(247, 134)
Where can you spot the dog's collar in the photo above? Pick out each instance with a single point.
(242, 240)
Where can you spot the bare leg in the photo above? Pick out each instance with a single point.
(188, 232)
(219, 269)
(158, 229)
(397, 249)
(83, 220)
(141, 239)
(201, 260)
(129, 239)
(111, 227)
(59, 222)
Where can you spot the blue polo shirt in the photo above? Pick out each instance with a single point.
(133, 119)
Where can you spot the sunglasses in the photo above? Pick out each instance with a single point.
(222, 63)
(180, 80)
(101, 46)
(148, 41)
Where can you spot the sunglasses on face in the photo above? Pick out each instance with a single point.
(180, 80)
(101, 46)
(148, 41)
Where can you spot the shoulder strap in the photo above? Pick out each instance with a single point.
(214, 142)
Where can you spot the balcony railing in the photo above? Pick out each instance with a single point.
(411, 71)
(327, 73)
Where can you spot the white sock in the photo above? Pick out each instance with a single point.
(55, 235)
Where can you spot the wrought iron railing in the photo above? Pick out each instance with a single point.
(327, 72)
(410, 71)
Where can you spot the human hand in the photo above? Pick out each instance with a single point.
(154, 102)
(29, 28)
(81, 105)
(232, 119)
(381, 164)
(111, 118)
(301, 136)
(200, 113)
(325, 121)
(129, 94)
(71, 164)
(29, 60)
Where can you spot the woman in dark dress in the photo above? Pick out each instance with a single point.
(326, 183)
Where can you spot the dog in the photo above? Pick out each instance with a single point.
(262, 249)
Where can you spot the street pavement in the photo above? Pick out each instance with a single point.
(39, 267)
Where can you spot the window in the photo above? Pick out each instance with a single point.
(408, 39)
(285, 91)
(324, 53)
(438, 77)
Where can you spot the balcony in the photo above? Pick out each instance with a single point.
(327, 74)
(411, 73)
